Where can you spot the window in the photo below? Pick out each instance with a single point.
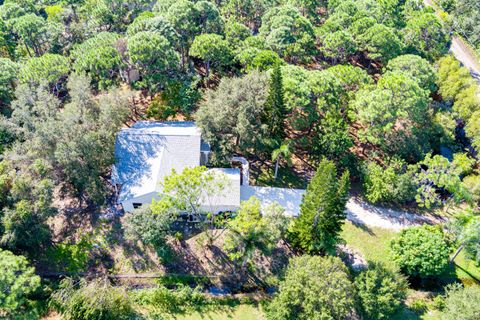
(136, 205)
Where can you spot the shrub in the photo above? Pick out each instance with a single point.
(462, 303)
(97, 300)
(17, 282)
(380, 291)
(314, 288)
(421, 251)
(173, 300)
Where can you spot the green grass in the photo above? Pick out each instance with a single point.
(373, 243)
(240, 312)
(466, 270)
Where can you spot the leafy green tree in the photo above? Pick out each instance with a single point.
(421, 251)
(158, 24)
(184, 17)
(248, 234)
(461, 303)
(389, 184)
(288, 33)
(322, 212)
(8, 77)
(99, 58)
(231, 116)
(466, 229)
(260, 60)
(436, 174)
(314, 288)
(466, 14)
(396, 99)
(154, 57)
(95, 300)
(472, 130)
(415, 67)
(381, 291)
(27, 205)
(17, 282)
(275, 109)
(193, 191)
(248, 12)
(37, 35)
(151, 228)
(425, 36)
(381, 43)
(52, 68)
(338, 46)
(210, 19)
(212, 49)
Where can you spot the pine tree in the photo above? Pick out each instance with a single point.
(275, 110)
(322, 212)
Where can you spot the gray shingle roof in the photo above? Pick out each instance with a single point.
(148, 151)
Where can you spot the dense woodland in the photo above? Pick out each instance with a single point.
(345, 96)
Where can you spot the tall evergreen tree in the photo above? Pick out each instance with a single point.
(322, 212)
(275, 110)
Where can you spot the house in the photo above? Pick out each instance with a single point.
(148, 151)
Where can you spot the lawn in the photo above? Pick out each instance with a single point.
(240, 312)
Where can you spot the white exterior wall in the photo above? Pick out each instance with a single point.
(145, 199)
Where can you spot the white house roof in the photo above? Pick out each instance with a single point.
(230, 195)
(148, 151)
(289, 199)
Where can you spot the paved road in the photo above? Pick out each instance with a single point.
(463, 53)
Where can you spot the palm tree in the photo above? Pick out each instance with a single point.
(283, 151)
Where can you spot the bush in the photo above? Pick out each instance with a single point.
(381, 291)
(97, 300)
(462, 303)
(172, 300)
(314, 288)
(17, 282)
(418, 306)
(388, 185)
(421, 251)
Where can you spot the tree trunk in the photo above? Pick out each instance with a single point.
(456, 253)
(276, 168)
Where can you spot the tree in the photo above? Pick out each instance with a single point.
(465, 14)
(212, 49)
(8, 76)
(338, 46)
(158, 24)
(36, 34)
(396, 99)
(425, 36)
(381, 43)
(17, 283)
(466, 229)
(231, 116)
(150, 228)
(193, 191)
(381, 291)
(421, 251)
(275, 109)
(461, 303)
(436, 174)
(388, 184)
(417, 68)
(248, 233)
(184, 17)
(283, 151)
(52, 68)
(314, 288)
(99, 58)
(210, 19)
(154, 57)
(288, 33)
(95, 300)
(322, 212)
